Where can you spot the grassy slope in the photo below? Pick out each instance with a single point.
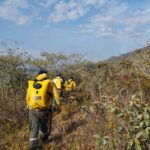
(70, 131)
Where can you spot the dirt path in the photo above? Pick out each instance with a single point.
(68, 130)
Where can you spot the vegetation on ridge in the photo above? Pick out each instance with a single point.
(111, 110)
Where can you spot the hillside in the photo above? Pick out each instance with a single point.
(130, 55)
(110, 109)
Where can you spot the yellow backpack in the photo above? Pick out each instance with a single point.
(39, 96)
(58, 82)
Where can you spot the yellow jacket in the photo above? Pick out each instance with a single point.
(40, 93)
(70, 85)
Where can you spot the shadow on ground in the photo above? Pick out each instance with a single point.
(74, 125)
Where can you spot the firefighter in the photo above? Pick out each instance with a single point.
(39, 97)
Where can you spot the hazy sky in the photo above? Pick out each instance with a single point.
(97, 28)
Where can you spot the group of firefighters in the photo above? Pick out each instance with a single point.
(42, 95)
(64, 86)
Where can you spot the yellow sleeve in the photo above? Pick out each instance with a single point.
(56, 95)
(53, 89)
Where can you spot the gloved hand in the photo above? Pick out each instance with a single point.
(53, 105)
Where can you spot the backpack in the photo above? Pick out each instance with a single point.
(39, 96)
(58, 82)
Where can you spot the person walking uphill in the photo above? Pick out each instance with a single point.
(58, 82)
(39, 100)
(70, 87)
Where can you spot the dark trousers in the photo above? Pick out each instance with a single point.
(39, 124)
(67, 95)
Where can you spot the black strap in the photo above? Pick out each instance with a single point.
(50, 94)
(36, 80)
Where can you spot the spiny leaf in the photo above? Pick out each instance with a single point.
(138, 147)
(139, 134)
